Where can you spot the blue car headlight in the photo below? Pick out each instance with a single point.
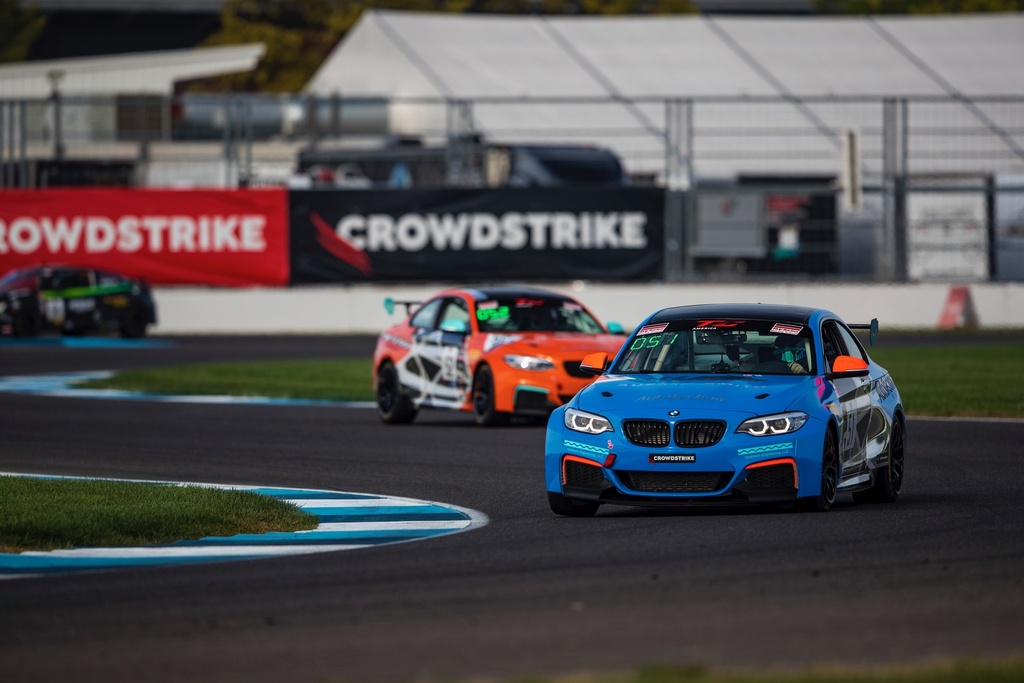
(528, 362)
(772, 425)
(588, 423)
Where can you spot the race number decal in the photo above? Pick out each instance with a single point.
(53, 309)
(449, 363)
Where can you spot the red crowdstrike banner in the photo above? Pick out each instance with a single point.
(169, 237)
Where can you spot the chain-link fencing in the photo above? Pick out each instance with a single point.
(885, 189)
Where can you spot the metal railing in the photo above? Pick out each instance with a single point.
(925, 187)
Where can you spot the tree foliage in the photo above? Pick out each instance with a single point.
(19, 27)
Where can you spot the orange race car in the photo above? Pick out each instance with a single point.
(494, 351)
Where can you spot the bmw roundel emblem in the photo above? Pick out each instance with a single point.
(673, 413)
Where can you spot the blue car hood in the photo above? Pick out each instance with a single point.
(642, 395)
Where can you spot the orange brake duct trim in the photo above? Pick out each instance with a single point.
(778, 461)
(576, 458)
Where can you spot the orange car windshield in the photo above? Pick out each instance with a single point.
(534, 314)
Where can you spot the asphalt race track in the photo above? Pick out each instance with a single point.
(938, 575)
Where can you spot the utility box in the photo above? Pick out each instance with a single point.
(765, 225)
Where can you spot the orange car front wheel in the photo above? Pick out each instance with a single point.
(484, 412)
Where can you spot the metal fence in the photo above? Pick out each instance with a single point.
(922, 188)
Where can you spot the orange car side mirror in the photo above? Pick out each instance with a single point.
(848, 366)
(594, 363)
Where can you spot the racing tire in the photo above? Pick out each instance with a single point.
(829, 476)
(889, 479)
(484, 412)
(25, 326)
(569, 507)
(393, 407)
(133, 325)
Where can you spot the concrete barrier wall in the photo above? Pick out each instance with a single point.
(359, 309)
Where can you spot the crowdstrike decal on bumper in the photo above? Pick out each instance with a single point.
(484, 231)
(130, 234)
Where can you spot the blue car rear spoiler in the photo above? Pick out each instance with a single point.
(872, 327)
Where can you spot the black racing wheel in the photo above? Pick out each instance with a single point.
(484, 412)
(888, 479)
(829, 475)
(393, 407)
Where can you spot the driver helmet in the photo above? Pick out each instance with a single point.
(789, 348)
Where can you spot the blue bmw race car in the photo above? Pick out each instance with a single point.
(729, 403)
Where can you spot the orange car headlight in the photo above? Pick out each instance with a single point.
(528, 362)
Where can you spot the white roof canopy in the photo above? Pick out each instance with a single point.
(535, 59)
(466, 56)
(152, 73)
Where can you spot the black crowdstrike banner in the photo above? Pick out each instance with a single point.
(476, 235)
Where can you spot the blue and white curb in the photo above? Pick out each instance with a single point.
(86, 342)
(63, 384)
(348, 521)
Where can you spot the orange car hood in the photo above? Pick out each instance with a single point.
(558, 344)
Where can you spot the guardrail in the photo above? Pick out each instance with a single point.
(359, 309)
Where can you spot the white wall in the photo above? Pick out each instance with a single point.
(355, 309)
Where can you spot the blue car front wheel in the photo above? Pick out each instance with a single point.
(829, 475)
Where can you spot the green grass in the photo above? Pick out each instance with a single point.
(980, 380)
(958, 672)
(339, 380)
(47, 514)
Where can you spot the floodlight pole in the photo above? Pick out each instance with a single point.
(680, 190)
(891, 257)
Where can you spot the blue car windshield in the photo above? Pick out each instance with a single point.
(737, 346)
(534, 314)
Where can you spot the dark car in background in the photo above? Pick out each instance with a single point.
(73, 300)
(474, 162)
